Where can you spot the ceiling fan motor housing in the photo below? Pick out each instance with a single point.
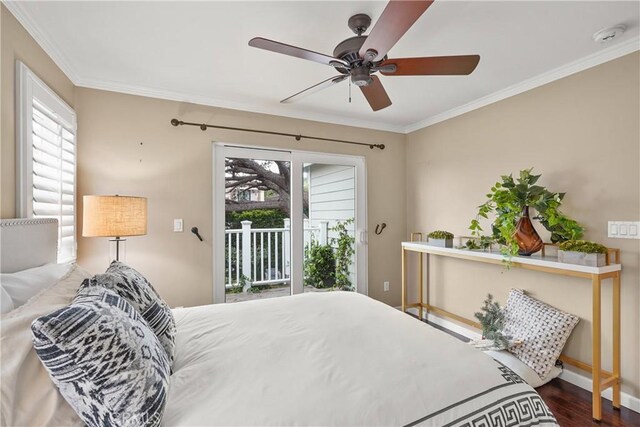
(361, 76)
(348, 49)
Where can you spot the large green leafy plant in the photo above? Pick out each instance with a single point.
(509, 196)
(319, 266)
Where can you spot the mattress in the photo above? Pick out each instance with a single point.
(335, 358)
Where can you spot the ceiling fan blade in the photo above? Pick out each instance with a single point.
(298, 52)
(396, 19)
(315, 88)
(375, 94)
(460, 65)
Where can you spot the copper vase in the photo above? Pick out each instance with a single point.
(528, 239)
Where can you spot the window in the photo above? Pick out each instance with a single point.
(46, 155)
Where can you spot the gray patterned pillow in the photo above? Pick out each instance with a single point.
(138, 292)
(105, 360)
(543, 330)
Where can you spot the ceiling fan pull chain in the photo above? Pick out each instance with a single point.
(349, 91)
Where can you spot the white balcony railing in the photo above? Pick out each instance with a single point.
(263, 255)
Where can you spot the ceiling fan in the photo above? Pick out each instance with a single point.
(362, 56)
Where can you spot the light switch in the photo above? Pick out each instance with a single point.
(177, 225)
(624, 229)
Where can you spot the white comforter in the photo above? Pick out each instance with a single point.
(335, 359)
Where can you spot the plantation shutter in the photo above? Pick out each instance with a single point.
(48, 159)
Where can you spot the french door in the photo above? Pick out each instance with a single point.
(287, 222)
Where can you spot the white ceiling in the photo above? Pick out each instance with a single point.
(197, 51)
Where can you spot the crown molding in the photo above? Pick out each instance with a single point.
(18, 10)
(620, 49)
(272, 110)
(605, 55)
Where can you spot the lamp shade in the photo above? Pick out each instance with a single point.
(114, 216)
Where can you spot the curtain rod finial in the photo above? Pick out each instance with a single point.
(175, 122)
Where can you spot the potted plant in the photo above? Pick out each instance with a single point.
(320, 266)
(440, 238)
(511, 200)
(583, 252)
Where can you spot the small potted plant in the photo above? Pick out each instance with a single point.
(582, 252)
(440, 238)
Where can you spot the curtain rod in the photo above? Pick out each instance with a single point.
(298, 137)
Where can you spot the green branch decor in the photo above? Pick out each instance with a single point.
(509, 197)
(478, 243)
(492, 319)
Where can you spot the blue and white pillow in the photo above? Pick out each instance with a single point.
(105, 360)
(136, 289)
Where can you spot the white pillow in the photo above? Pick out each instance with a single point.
(6, 304)
(542, 329)
(28, 396)
(24, 284)
(519, 367)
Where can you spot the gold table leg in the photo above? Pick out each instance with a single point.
(404, 280)
(595, 351)
(616, 339)
(420, 280)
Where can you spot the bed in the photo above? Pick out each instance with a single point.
(336, 358)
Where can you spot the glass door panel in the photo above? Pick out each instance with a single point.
(329, 210)
(257, 228)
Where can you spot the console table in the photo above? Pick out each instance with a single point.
(601, 379)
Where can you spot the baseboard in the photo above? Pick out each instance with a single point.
(582, 381)
(568, 374)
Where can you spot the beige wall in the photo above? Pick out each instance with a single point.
(582, 134)
(128, 146)
(18, 45)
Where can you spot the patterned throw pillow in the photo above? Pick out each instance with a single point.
(105, 360)
(543, 330)
(138, 292)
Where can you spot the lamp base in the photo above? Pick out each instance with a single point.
(117, 249)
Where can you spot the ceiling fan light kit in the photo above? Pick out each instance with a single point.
(361, 56)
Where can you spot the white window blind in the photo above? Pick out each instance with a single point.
(47, 158)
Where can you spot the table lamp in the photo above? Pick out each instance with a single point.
(114, 216)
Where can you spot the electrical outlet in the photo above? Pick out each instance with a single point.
(624, 229)
(177, 225)
(386, 286)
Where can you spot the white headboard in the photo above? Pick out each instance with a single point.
(27, 243)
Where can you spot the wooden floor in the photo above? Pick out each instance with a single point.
(572, 405)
